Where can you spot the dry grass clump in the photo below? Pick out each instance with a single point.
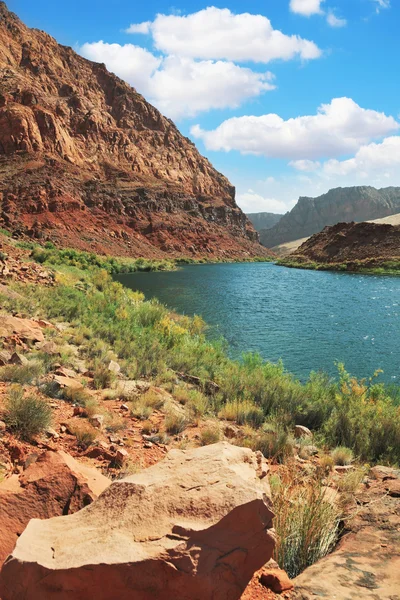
(242, 412)
(140, 410)
(342, 456)
(102, 376)
(22, 374)
(85, 434)
(175, 423)
(113, 423)
(307, 524)
(26, 416)
(153, 399)
(211, 434)
(326, 463)
(348, 483)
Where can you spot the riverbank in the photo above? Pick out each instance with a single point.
(92, 369)
(366, 267)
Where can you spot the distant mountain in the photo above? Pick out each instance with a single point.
(263, 220)
(311, 215)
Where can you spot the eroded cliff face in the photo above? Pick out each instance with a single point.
(87, 162)
(311, 215)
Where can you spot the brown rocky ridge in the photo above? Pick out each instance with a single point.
(311, 215)
(86, 162)
(351, 243)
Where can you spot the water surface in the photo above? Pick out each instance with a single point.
(310, 319)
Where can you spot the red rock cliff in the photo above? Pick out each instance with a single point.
(85, 161)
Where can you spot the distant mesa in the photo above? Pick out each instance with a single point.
(311, 215)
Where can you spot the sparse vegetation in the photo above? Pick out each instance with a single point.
(22, 374)
(27, 416)
(342, 456)
(306, 522)
(211, 434)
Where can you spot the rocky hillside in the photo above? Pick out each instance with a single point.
(349, 242)
(311, 215)
(86, 162)
(264, 220)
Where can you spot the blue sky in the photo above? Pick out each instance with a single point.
(285, 97)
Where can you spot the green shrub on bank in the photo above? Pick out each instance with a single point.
(149, 341)
(306, 522)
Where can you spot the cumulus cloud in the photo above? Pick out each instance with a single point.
(305, 165)
(251, 201)
(335, 21)
(338, 128)
(306, 7)
(178, 86)
(215, 33)
(132, 63)
(371, 158)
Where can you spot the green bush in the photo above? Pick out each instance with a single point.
(26, 416)
(306, 522)
(211, 434)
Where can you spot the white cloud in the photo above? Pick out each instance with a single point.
(380, 4)
(132, 63)
(305, 165)
(214, 33)
(181, 87)
(338, 128)
(306, 7)
(251, 201)
(334, 21)
(371, 159)
(139, 28)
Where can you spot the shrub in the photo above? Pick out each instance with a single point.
(26, 416)
(277, 445)
(84, 433)
(175, 423)
(147, 427)
(210, 435)
(326, 463)
(342, 455)
(153, 399)
(349, 482)
(140, 410)
(114, 423)
(102, 376)
(305, 521)
(242, 412)
(22, 374)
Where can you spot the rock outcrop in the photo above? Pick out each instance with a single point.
(311, 215)
(52, 484)
(346, 243)
(86, 162)
(195, 526)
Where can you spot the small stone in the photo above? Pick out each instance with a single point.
(3, 426)
(311, 450)
(5, 358)
(301, 432)
(121, 456)
(18, 359)
(114, 367)
(343, 468)
(147, 445)
(50, 432)
(276, 580)
(124, 407)
(63, 429)
(97, 421)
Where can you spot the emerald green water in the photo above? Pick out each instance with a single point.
(309, 319)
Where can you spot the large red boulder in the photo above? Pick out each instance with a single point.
(195, 526)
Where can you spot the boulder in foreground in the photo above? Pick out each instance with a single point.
(195, 526)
